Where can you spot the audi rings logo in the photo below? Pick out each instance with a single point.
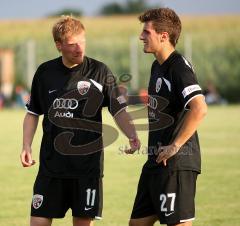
(61, 103)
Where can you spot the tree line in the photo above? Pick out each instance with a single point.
(114, 8)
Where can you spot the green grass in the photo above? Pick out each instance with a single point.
(218, 193)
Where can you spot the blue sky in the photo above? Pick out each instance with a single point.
(24, 9)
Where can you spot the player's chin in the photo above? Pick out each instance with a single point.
(78, 60)
(147, 50)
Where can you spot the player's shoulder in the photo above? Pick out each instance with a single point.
(179, 63)
(96, 63)
(50, 64)
(99, 71)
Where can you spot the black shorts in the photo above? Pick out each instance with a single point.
(52, 197)
(168, 195)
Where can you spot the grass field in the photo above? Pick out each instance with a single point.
(218, 191)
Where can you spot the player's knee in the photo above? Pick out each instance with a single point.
(146, 221)
(130, 223)
(82, 221)
(133, 222)
(189, 223)
(40, 221)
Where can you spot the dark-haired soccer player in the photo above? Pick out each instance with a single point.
(166, 189)
(70, 92)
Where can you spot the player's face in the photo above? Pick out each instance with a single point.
(151, 39)
(72, 49)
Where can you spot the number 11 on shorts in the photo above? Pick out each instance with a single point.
(91, 194)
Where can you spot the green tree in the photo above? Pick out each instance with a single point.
(112, 8)
(130, 7)
(135, 6)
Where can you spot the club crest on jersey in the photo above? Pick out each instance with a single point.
(158, 84)
(37, 201)
(83, 87)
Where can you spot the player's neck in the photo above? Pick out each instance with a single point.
(68, 63)
(163, 54)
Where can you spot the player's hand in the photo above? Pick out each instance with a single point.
(135, 144)
(166, 152)
(26, 158)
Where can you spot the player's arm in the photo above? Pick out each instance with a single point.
(125, 123)
(194, 116)
(29, 128)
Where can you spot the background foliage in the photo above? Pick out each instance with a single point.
(214, 43)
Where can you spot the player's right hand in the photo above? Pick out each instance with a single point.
(135, 144)
(26, 158)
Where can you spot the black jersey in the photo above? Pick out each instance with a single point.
(172, 86)
(71, 100)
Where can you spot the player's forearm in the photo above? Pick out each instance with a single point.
(191, 122)
(124, 122)
(29, 128)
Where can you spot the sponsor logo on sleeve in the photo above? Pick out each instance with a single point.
(121, 99)
(190, 89)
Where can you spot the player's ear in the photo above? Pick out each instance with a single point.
(58, 46)
(164, 36)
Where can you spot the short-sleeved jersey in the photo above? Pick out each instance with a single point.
(71, 100)
(172, 86)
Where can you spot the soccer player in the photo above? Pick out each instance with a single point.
(70, 91)
(176, 107)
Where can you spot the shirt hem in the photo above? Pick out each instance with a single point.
(155, 169)
(32, 113)
(185, 106)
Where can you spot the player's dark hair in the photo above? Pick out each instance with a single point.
(164, 20)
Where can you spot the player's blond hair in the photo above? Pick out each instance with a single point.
(66, 27)
(164, 20)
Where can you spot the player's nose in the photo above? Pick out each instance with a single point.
(141, 36)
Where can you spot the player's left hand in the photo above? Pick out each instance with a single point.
(167, 152)
(135, 144)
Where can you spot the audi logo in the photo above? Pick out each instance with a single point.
(61, 103)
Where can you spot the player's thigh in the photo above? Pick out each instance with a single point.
(40, 221)
(82, 221)
(145, 221)
(49, 199)
(173, 194)
(143, 205)
(86, 196)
